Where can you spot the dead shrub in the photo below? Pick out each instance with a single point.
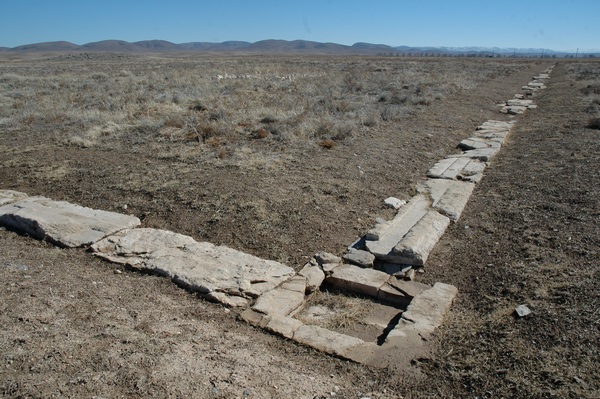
(261, 133)
(327, 144)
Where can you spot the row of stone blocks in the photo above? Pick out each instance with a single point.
(270, 292)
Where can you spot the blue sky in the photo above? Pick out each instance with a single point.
(554, 24)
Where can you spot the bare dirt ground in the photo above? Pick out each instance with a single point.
(72, 327)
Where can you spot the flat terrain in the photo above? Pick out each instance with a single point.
(174, 141)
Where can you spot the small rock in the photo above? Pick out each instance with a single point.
(394, 202)
(410, 275)
(522, 311)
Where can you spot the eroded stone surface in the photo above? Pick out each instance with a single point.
(284, 326)
(400, 292)
(199, 266)
(62, 223)
(10, 196)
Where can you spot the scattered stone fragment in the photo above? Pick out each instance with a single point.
(62, 223)
(359, 257)
(394, 202)
(198, 266)
(357, 279)
(415, 247)
(10, 196)
(329, 267)
(410, 275)
(522, 311)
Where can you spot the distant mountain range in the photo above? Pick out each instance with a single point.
(275, 47)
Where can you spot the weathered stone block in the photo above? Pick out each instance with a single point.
(415, 247)
(198, 266)
(284, 326)
(62, 223)
(326, 340)
(314, 276)
(359, 257)
(357, 279)
(279, 302)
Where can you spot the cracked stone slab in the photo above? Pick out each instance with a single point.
(63, 223)
(198, 266)
(10, 196)
(476, 143)
(415, 247)
(456, 169)
(449, 196)
(400, 292)
(390, 233)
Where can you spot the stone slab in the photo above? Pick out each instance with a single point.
(327, 341)
(314, 276)
(519, 102)
(359, 257)
(198, 266)
(449, 197)
(10, 196)
(227, 300)
(62, 223)
(283, 326)
(279, 302)
(400, 292)
(404, 220)
(426, 311)
(415, 247)
(357, 279)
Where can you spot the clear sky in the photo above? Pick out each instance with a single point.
(553, 24)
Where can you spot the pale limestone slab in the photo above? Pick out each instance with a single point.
(449, 196)
(296, 283)
(199, 266)
(284, 326)
(359, 257)
(327, 341)
(404, 220)
(62, 223)
(415, 247)
(358, 279)
(279, 302)
(437, 170)
(519, 102)
(10, 196)
(426, 311)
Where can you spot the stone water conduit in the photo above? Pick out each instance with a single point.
(380, 265)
